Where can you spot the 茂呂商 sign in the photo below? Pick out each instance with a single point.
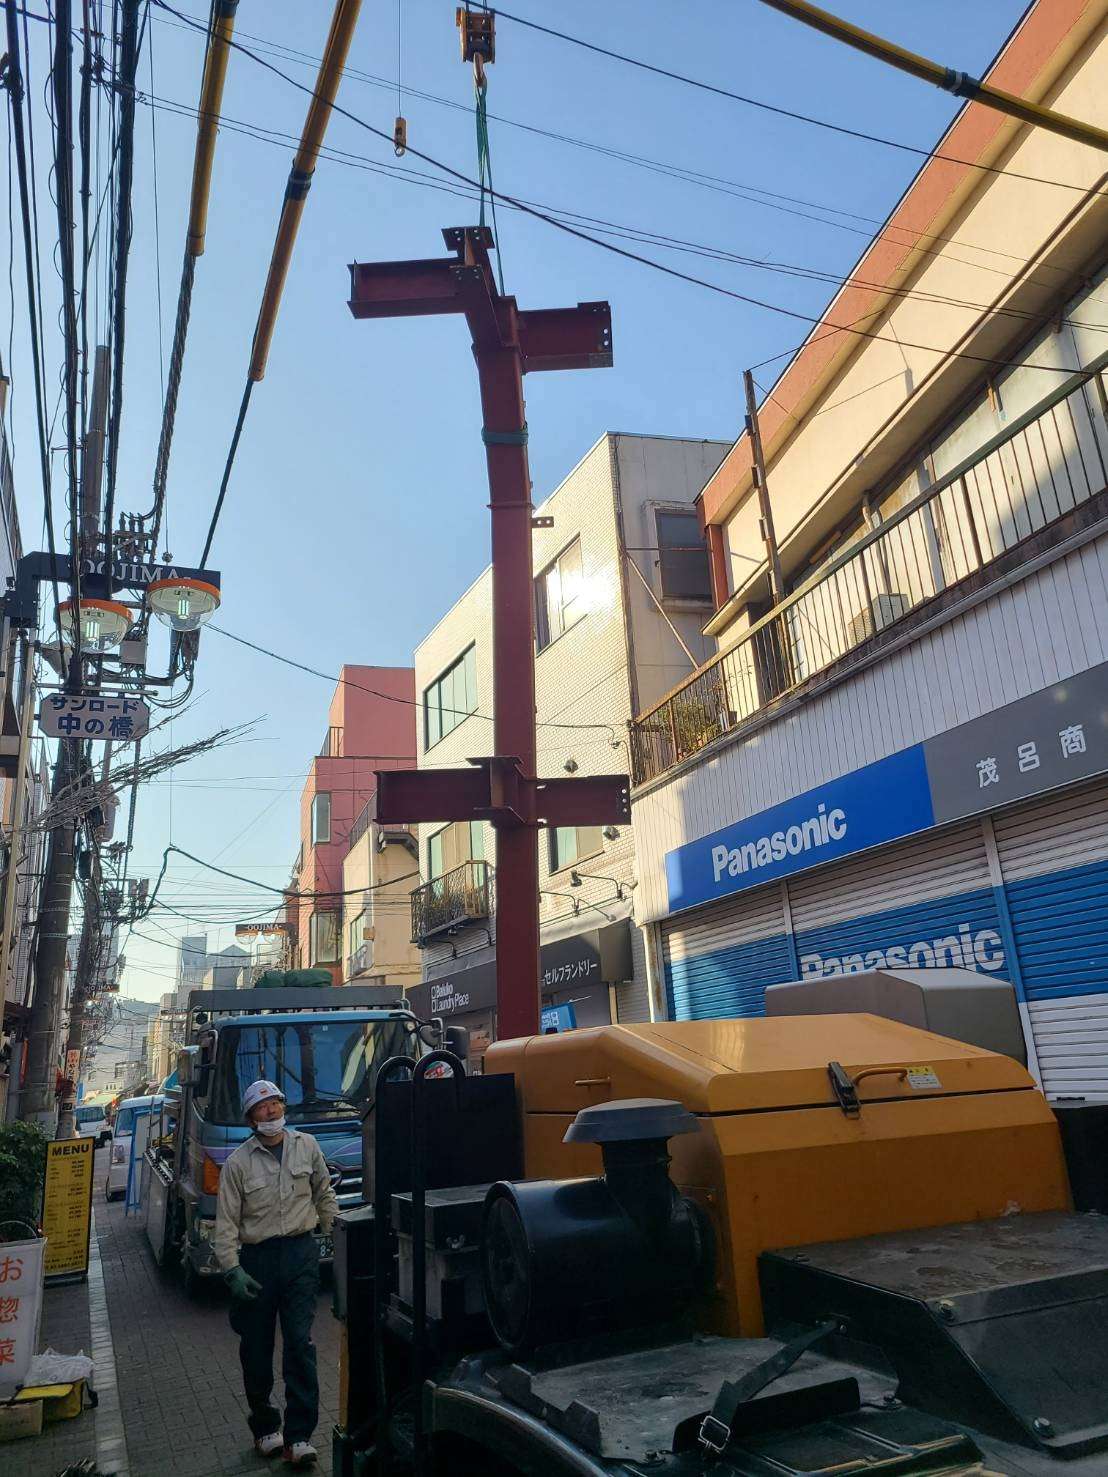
(67, 1208)
(1049, 739)
(20, 1305)
(119, 720)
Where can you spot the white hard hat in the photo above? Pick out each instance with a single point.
(260, 1092)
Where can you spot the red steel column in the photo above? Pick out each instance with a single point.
(517, 855)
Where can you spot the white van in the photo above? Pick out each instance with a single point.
(123, 1129)
(92, 1123)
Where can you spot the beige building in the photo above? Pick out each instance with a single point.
(898, 757)
(621, 591)
(377, 874)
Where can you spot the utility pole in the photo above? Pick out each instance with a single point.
(765, 512)
(90, 947)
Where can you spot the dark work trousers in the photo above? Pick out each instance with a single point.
(288, 1269)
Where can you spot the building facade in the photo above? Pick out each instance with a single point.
(899, 755)
(370, 727)
(377, 874)
(621, 592)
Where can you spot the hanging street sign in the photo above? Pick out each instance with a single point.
(119, 720)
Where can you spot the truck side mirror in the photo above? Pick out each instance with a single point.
(188, 1066)
(456, 1039)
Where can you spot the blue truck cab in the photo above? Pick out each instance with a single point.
(322, 1047)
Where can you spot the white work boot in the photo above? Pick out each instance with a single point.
(300, 1454)
(269, 1445)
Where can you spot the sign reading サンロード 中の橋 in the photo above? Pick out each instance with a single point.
(1051, 738)
(111, 718)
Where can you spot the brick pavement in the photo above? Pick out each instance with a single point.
(180, 1391)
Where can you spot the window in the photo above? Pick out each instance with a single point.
(682, 556)
(464, 841)
(326, 1069)
(323, 938)
(450, 698)
(354, 932)
(321, 818)
(558, 596)
(568, 844)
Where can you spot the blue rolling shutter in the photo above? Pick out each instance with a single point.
(1054, 857)
(719, 960)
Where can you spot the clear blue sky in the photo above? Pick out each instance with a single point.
(356, 513)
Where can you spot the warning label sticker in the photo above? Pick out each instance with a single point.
(921, 1078)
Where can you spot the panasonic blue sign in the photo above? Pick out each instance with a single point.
(879, 803)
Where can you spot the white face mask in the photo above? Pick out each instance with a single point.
(271, 1127)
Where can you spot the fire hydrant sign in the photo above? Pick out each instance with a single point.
(20, 1309)
(119, 720)
(67, 1208)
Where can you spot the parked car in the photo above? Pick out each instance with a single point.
(92, 1123)
(123, 1129)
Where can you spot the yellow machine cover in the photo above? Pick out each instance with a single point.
(946, 1132)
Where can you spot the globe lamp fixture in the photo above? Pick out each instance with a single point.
(182, 604)
(103, 623)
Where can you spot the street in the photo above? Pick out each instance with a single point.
(176, 1365)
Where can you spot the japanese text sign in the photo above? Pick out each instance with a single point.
(20, 1307)
(1050, 738)
(119, 720)
(67, 1207)
(1038, 743)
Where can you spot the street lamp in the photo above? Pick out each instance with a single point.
(575, 880)
(102, 624)
(182, 604)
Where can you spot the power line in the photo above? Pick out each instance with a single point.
(16, 93)
(386, 696)
(674, 171)
(738, 97)
(637, 233)
(668, 271)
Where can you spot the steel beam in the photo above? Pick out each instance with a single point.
(502, 789)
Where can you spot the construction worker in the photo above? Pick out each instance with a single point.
(273, 1190)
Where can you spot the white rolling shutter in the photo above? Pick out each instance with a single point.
(928, 899)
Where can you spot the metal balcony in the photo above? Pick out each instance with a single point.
(1033, 475)
(462, 896)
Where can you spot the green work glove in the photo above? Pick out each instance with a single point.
(243, 1287)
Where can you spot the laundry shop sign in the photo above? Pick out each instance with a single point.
(1052, 738)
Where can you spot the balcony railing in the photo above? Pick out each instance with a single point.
(331, 748)
(1042, 467)
(464, 895)
(361, 824)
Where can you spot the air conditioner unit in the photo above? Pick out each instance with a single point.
(884, 611)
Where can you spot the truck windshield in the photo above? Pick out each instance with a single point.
(326, 1069)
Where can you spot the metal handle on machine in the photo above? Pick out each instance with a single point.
(592, 1082)
(845, 1087)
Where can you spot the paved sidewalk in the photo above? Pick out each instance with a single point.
(176, 1362)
